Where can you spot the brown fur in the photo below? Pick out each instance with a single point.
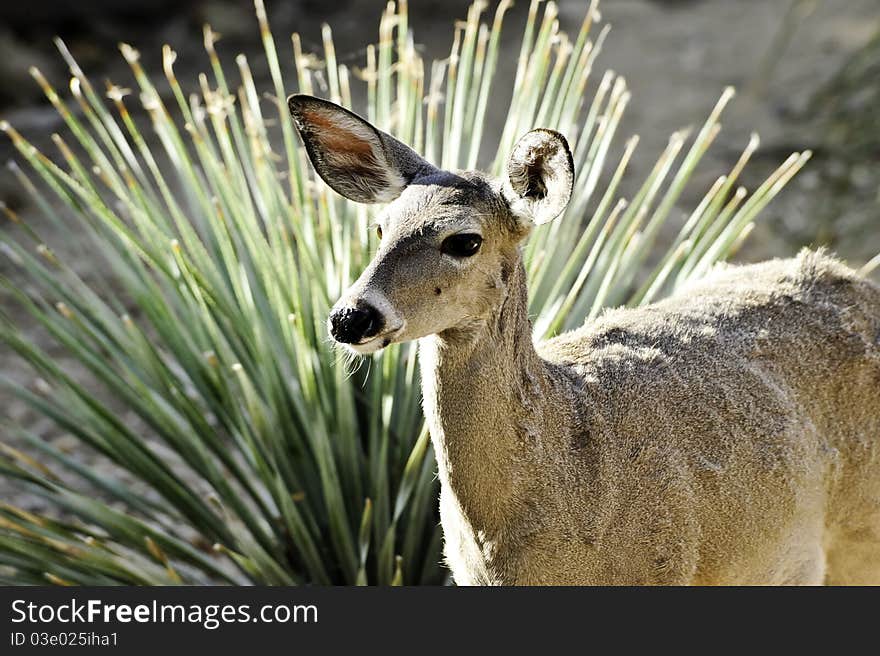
(727, 435)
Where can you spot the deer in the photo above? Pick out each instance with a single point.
(726, 435)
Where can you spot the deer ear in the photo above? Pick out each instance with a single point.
(540, 176)
(354, 158)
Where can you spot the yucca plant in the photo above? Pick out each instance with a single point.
(251, 451)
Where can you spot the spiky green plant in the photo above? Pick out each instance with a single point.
(256, 455)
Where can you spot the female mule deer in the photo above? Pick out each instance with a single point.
(729, 434)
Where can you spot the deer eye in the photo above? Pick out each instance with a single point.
(379, 232)
(463, 245)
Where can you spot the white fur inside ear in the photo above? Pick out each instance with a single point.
(540, 176)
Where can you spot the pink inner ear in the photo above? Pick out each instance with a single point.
(336, 139)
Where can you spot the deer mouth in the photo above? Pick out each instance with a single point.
(377, 342)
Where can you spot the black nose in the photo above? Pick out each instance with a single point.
(350, 325)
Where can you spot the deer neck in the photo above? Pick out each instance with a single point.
(484, 391)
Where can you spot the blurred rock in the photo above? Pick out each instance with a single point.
(60, 12)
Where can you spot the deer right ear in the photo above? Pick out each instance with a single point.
(540, 177)
(354, 158)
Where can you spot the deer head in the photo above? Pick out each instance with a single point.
(449, 240)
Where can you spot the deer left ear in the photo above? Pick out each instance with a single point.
(540, 176)
(356, 159)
